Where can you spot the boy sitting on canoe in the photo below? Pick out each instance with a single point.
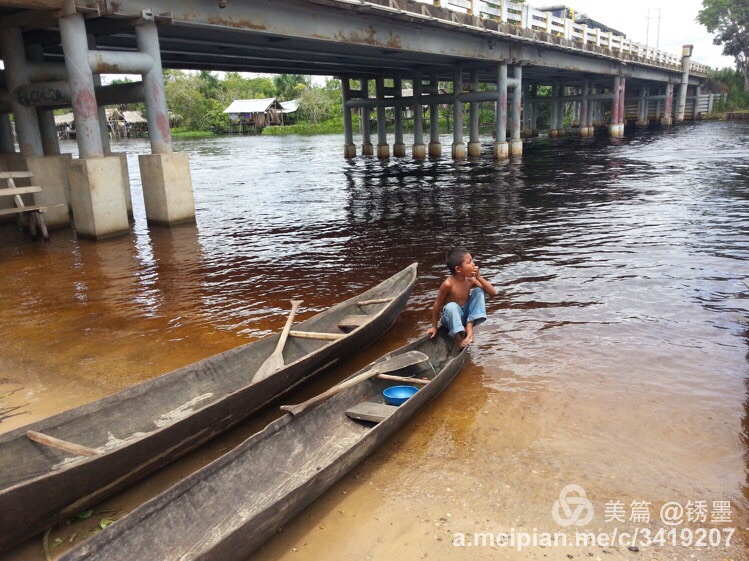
(461, 301)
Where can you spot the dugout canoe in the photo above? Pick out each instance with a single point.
(230, 507)
(117, 440)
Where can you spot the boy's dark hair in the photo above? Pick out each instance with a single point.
(455, 257)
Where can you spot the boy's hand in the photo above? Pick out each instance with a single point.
(432, 331)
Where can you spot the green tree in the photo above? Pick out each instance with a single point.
(290, 86)
(730, 20)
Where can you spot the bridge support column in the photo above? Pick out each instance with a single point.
(682, 102)
(16, 75)
(435, 147)
(383, 148)
(533, 109)
(7, 145)
(97, 195)
(365, 122)
(399, 148)
(616, 128)
(584, 110)
(642, 109)
(419, 150)
(474, 145)
(501, 147)
(167, 184)
(668, 109)
(459, 147)
(554, 111)
(516, 142)
(349, 148)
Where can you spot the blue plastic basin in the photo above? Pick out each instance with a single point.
(397, 395)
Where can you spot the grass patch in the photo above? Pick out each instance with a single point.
(179, 132)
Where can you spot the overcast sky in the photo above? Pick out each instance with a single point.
(677, 27)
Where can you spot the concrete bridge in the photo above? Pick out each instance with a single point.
(54, 52)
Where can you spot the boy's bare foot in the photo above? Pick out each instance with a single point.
(469, 335)
(460, 340)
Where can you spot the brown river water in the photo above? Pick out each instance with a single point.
(615, 356)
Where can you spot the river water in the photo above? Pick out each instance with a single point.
(614, 356)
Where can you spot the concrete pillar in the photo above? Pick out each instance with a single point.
(642, 108)
(81, 80)
(459, 147)
(516, 143)
(7, 145)
(103, 125)
(534, 110)
(668, 109)
(683, 86)
(147, 38)
(383, 148)
(51, 174)
(167, 184)
(418, 150)
(501, 147)
(349, 148)
(622, 105)
(435, 147)
(584, 109)
(97, 195)
(16, 75)
(474, 145)
(365, 122)
(615, 101)
(399, 148)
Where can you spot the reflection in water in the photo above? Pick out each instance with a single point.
(614, 356)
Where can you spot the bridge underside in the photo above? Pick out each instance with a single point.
(55, 50)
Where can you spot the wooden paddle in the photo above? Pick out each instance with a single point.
(275, 361)
(393, 364)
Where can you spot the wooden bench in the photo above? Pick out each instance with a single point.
(370, 411)
(34, 213)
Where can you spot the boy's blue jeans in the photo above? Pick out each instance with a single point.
(455, 317)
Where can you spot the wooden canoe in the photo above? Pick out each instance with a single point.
(230, 507)
(52, 469)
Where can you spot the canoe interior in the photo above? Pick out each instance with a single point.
(232, 505)
(144, 409)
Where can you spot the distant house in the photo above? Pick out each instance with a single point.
(120, 124)
(253, 115)
(126, 124)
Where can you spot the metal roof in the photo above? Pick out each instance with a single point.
(250, 105)
(289, 106)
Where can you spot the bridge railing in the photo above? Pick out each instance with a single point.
(525, 16)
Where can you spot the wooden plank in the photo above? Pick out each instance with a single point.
(314, 335)
(19, 191)
(352, 322)
(402, 379)
(22, 209)
(370, 411)
(15, 174)
(64, 445)
(374, 301)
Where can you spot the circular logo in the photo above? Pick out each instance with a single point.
(569, 510)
